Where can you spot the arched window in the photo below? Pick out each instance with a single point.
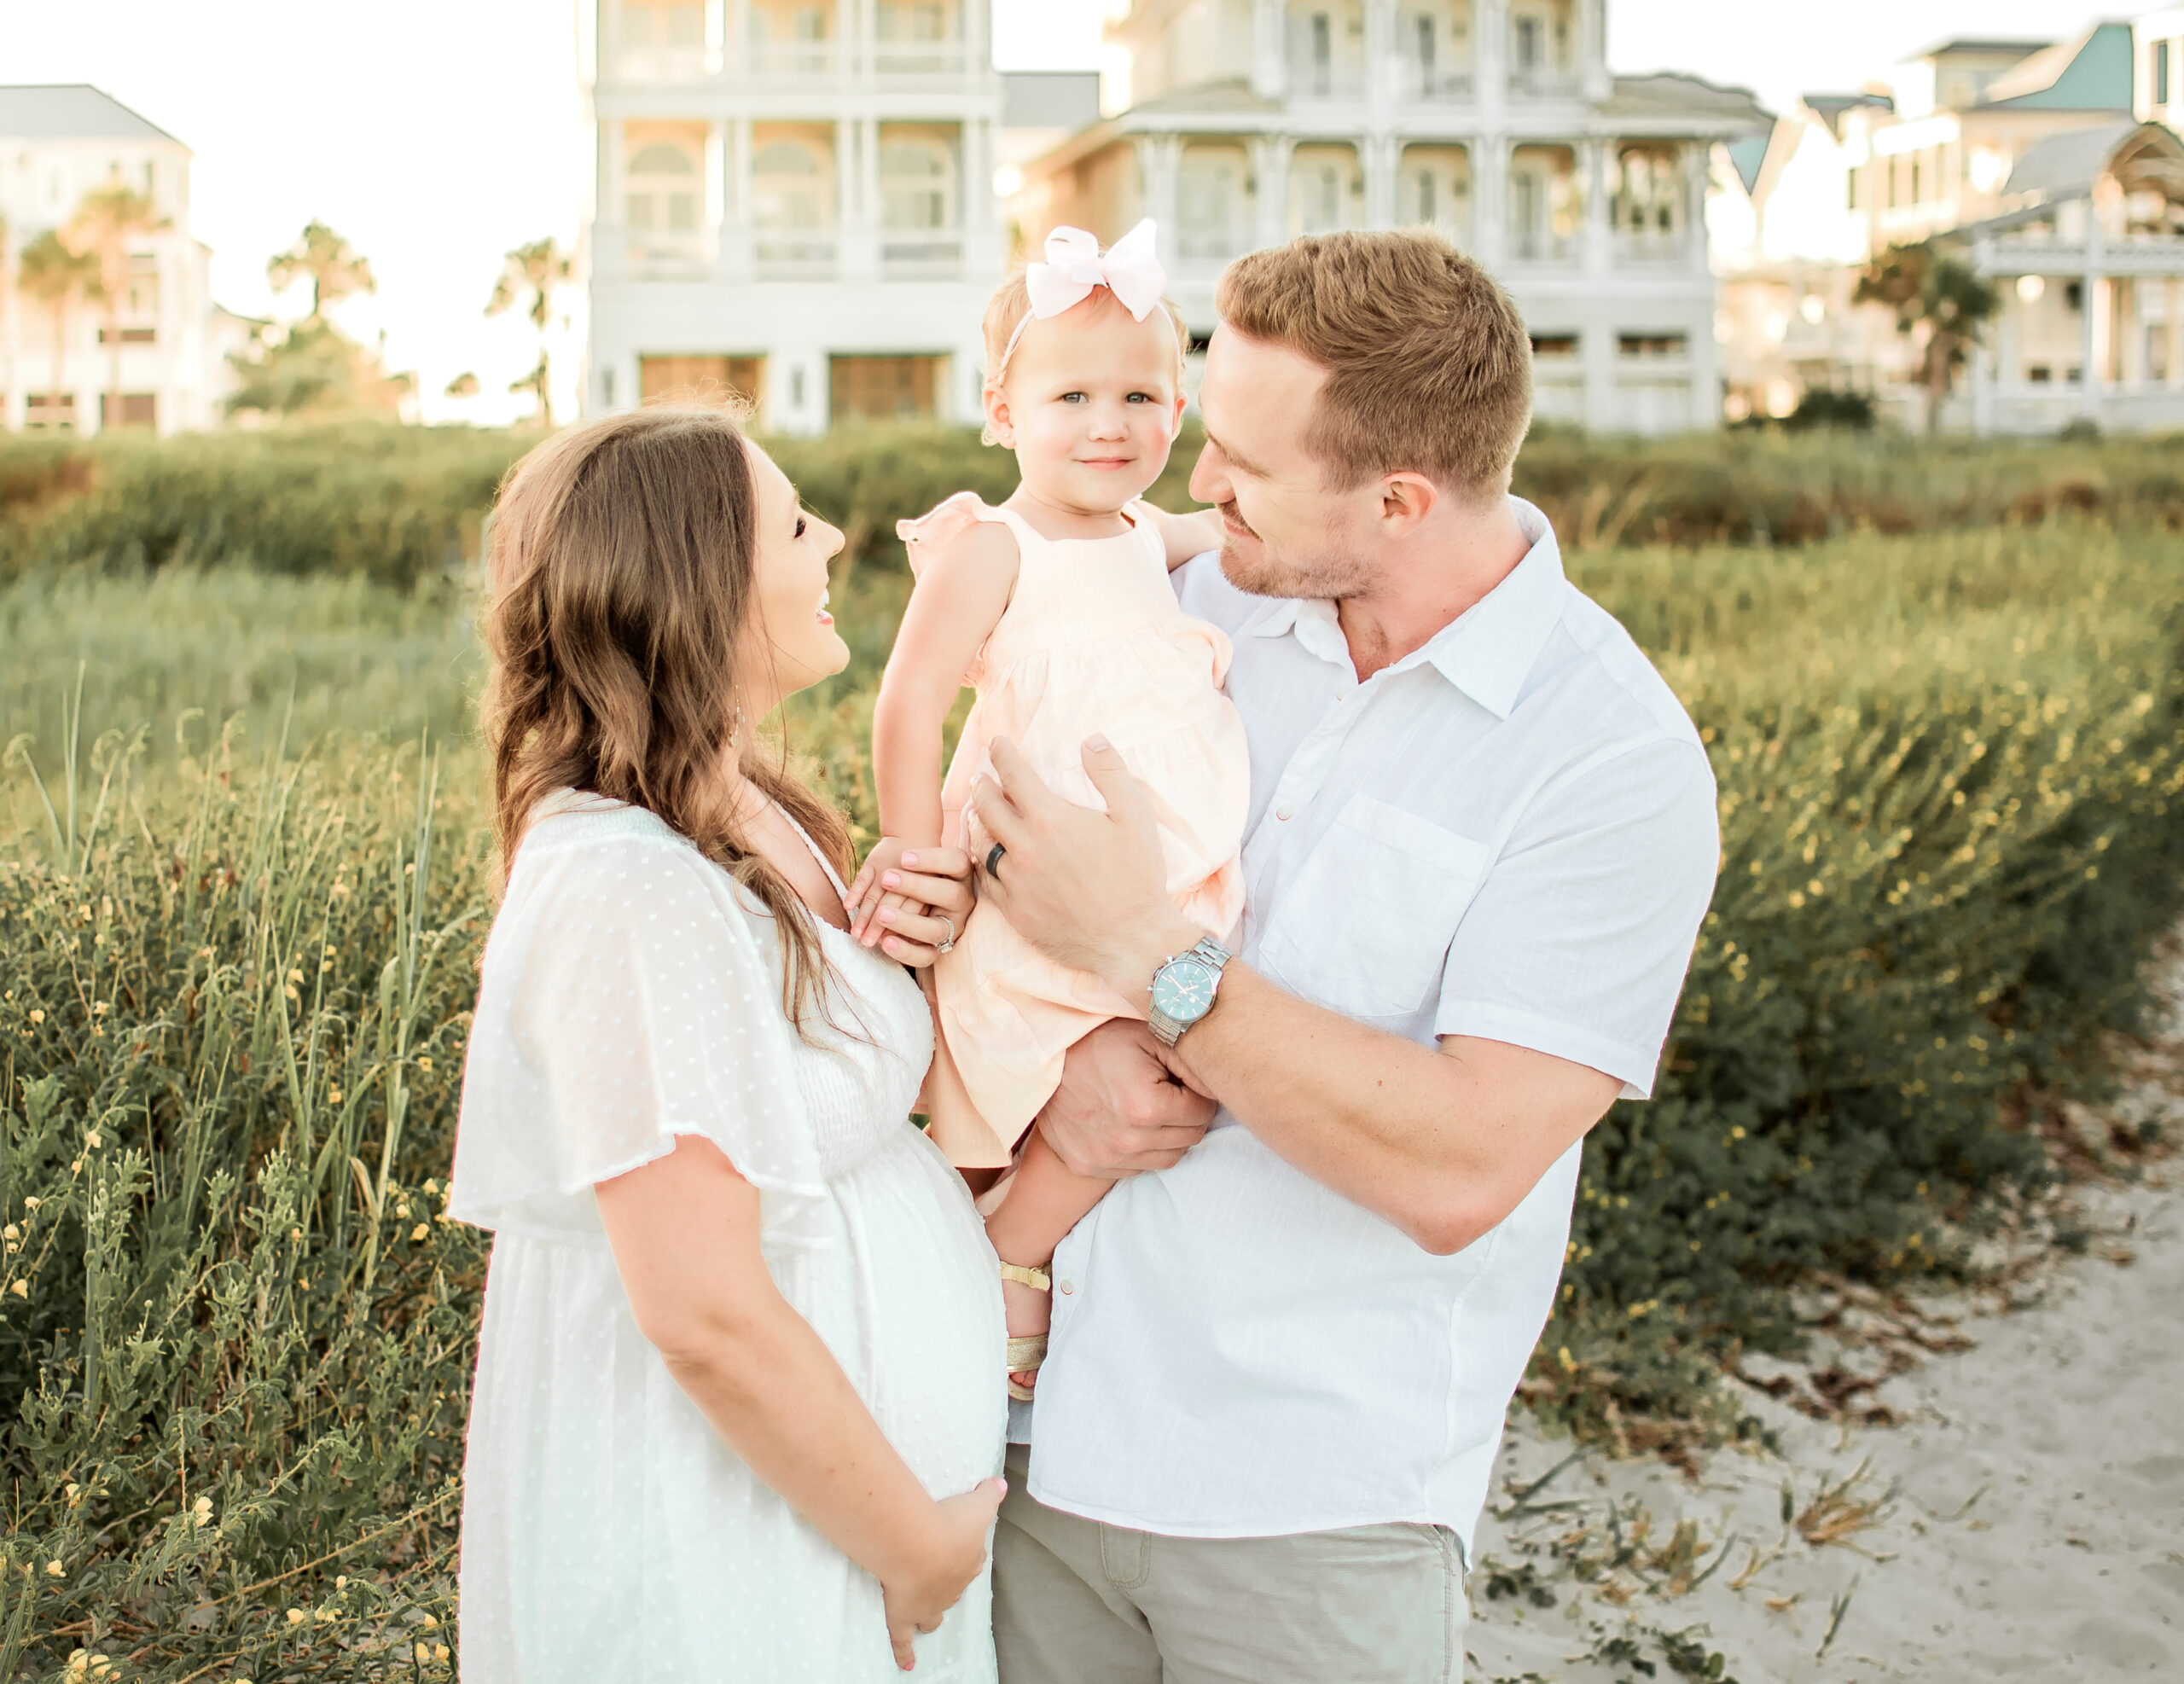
(1648, 192)
(662, 194)
(788, 187)
(1213, 205)
(1433, 186)
(917, 183)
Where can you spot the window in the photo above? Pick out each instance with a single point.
(1323, 189)
(1425, 44)
(662, 190)
(649, 23)
(702, 380)
(1646, 191)
(884, 388)
(1323, 28)
(137, 409)
(917, 179)
(1555, 344)
(788, 188)
(131, 336)
(917, 22)
(1212, 221)
(1918, 190)
(1433, 186)
(2040, 374)
(1651, 344)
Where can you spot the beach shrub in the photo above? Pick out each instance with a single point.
(235, 1339)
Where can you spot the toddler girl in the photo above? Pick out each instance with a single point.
(1056, 606)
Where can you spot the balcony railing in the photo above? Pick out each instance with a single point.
(783, 256)
(927, 255)
(919, 58)
(655, 256)
(1442, 83)
(652, 64)
(1533, 245)
(1320, 79)
(798, 60)
(1652, 245)
(1544, 82)
(1209, 245)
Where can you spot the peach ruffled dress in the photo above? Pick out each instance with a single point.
(1093, 642)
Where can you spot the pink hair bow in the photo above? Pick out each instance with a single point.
(1130, 270)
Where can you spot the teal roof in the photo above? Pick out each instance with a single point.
(2092, 73)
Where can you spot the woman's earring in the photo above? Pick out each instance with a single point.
(735, 731)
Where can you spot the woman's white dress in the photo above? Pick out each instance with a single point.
(631, 993)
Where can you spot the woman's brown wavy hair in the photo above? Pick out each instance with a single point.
(619, 581)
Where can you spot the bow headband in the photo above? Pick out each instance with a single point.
(1074, 266)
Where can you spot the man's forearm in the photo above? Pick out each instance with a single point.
(1441, 1142)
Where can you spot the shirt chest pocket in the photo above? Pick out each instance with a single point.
(1364, 924)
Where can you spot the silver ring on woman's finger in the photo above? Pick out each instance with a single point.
(943, 947)
(993, 861)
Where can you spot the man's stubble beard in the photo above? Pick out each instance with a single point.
(1257, 573)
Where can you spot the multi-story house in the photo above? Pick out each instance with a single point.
(793, 201)
(2026, 160)
(1498, 121)
(57, 362)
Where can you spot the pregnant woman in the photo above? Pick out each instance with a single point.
(737, 1414)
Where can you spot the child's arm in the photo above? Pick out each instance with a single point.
(1187, 535)
(962, 592)
(1044, 1201)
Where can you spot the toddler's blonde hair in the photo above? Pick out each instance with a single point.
(1011, 302)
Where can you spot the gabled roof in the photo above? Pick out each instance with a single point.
(2091, 73)
(1668, 94)
(2066, 166)
(1748, 153)
(70, 111)
(1830, 107)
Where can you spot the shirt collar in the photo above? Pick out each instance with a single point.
(1486, 651)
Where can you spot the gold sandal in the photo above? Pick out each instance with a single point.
(1026, 1351)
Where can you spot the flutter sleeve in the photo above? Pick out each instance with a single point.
(944, 521)
(625, 1002)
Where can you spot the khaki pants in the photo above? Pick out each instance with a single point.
(1078, 1602)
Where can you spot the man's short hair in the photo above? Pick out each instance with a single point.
(1429, 365)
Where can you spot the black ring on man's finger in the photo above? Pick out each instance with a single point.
(993, 861)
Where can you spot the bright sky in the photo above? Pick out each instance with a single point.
(437, 134)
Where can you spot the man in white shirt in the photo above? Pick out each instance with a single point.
(1481, 842)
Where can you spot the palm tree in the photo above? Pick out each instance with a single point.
(1929, 288)
(59, 277)
(333, 267)
(528, 275)
(104, 224)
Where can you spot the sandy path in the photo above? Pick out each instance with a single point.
(2025, 1521)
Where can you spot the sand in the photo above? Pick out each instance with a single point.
(2023, 1520)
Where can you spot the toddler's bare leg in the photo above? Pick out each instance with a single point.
(1044, 1201)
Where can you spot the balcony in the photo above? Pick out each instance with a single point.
(931, 254)
(1537, 244)
(653, 65)
(1433, 83)
(1651, 247)
(1544, 82)
(919, 59)
(780, 254)
(794, 60)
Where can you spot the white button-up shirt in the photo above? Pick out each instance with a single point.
(1508, 833)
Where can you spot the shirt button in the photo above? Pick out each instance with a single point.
(1285, 812)
(1068, 1286)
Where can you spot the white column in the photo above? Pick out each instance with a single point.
(1489, 192)
(982, 250)
(1598, 256)
(1270, 50)
(1383, 75)
(978, 43)
(2130, 337)
(1491, 56)
(1159, 158)
(856, 171)
(715, 220)
(734, 264)
(2174, 374)
(1694, 157)
(1381, 153)
(1270, 169)
(610, 249)
(2093, 342)
(1594, 78)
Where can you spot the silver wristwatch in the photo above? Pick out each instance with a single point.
(1183, 989)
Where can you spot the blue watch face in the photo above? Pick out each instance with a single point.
(1182, 989)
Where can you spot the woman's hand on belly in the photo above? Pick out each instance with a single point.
(935, 1571)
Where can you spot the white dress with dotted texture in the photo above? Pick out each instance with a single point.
(631, 993)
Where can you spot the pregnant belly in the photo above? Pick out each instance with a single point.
(909, 1299)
